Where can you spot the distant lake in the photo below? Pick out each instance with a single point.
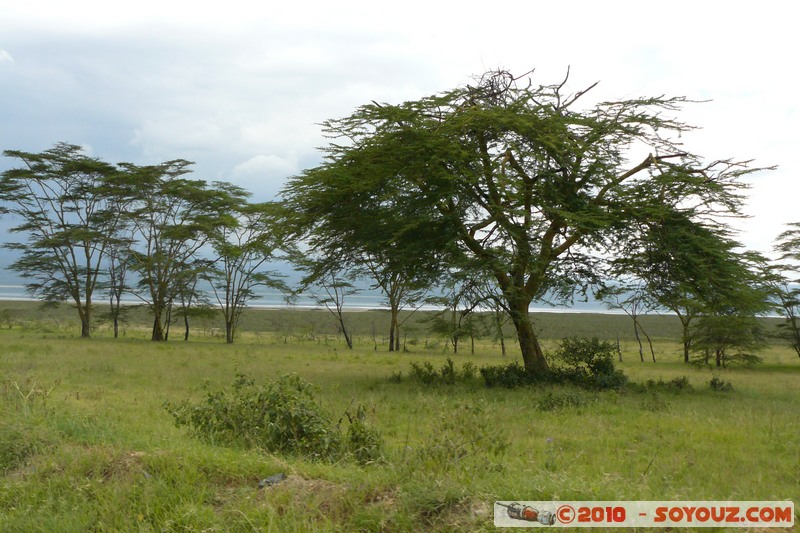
(366, 299)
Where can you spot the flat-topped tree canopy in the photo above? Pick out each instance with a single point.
(510, 179)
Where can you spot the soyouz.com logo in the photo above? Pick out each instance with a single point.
(644, 514)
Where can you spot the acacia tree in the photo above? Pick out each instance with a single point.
(728, 327)
(686, 266)
(632, 299)
(786, 288)
(117, 269)
(242, 249)
(402, 287)
(172, 218)
(510, 176)
(191, 299)
(460, 300)
(330, 284)
(69, 206)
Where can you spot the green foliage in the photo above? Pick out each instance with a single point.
(509, 376)
(279, 416)
(70, 208)
(363, 443)
(506, 178)
(728, 340)
(448, 374)
(588, 363)
(676, 385)
(718, 384)
(785, 284)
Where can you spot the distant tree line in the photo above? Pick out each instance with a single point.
(92, 226)
(499, 193)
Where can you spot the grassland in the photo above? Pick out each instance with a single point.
(86, 445)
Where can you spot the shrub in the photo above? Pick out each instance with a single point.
(588, 363)
(363, 442)
(720, 385)
(448, 374)
(679, 384)
(510, 375)
(280, 416)
(468, 370)
(424, 373)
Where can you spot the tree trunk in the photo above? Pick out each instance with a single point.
(186, 325)
(229, 331)
(687, 337)
(397, 339)
(500, 333)
(348, 338)
(638, 339)
(532, 355)
(649, 342)
(116, 327)
(158, 331)
(394, 343)
(86, 319)
(167, 323)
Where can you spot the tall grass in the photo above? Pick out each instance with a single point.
(91, 448)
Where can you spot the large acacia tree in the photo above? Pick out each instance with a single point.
(685, 266)
(69, 206)
(172, 218)
(514, 178)
(243, 249)
(786, 284)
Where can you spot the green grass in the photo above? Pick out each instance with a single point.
(85, 443)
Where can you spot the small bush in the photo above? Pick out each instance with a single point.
(448, 374)
(588, 363)
(508, 376)
(469, 370)
(679, 384)
(364, 443)
(280, 416)
(424, 373)
(720, 385)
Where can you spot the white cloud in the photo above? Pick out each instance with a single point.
(241, 87)
(264, 174)
(265, 165)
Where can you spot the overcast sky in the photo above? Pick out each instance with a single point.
(240, 87)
